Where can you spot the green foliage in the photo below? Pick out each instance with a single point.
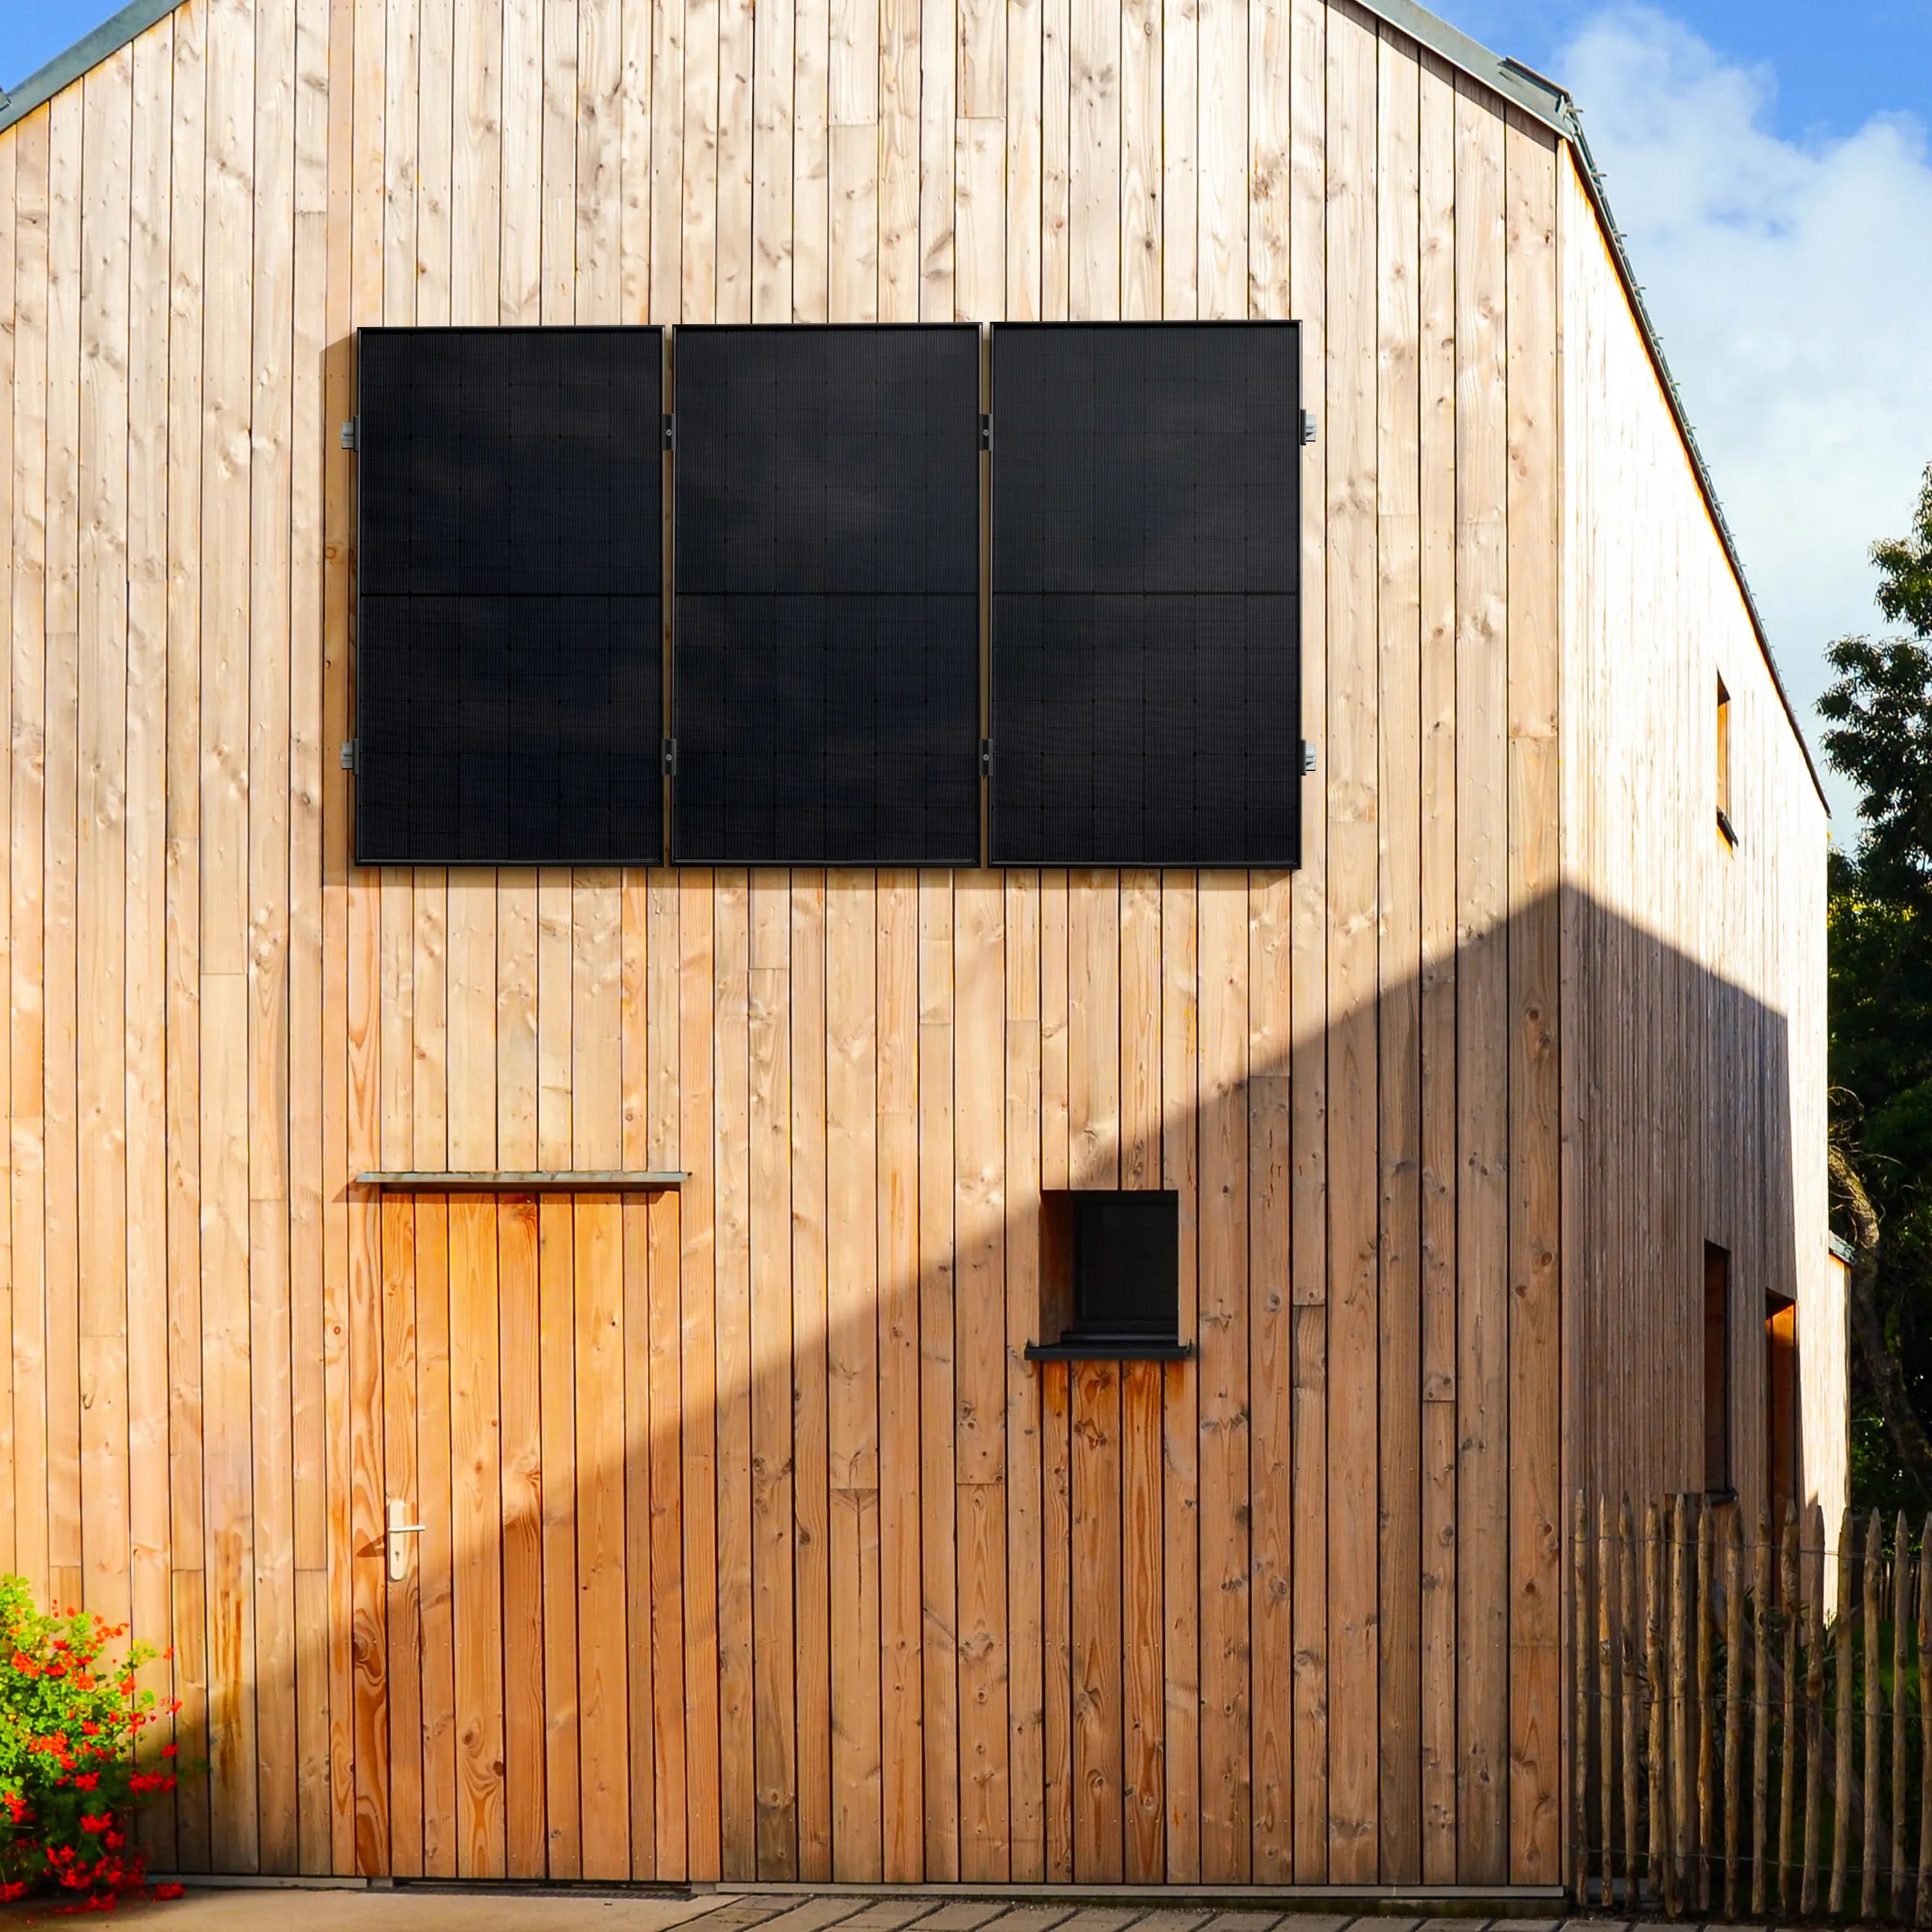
(1879, 918)
(70, 1719)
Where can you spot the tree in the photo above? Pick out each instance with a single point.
(1879, 711)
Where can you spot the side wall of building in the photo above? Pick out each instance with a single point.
(752, 1544)
(1695, 1073)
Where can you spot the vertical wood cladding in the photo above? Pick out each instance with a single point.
(754, 1546)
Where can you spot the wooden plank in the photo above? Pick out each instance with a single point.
(435, 159)
(771, 1368)
(668, 96)
(552, 1012)
(898, 160)
(1353, 911)
(1222, 176)
(481, 194)
(1026, 1690)
(738, 1808)
(398, 1219)
(269, 803)
(99, 856)
(1056, 159)
(853, 1128)
(1309, 974)
(434, 1556)
(937, 1252)
(598, 266)
(1056, 1399)
(1399, 966)
(1226, 1767)
(669, 1781)
(1141, 60)
(937, 96)
(1534, 781)
(853, 87)
(1271, 1361)
(774, 82)
(1180, 1552)
(1271, 190)
(1482, 992)
(338, 395)
(476, 1420)
(979, 1399)
(1094, 198)
(27, 1490)
(602, 1675)
(736, 52)
(1022, 147)
(1143, 1786)
(596, 1023)
(979, 216)
(158, 1828)
(1143, 1794)
(696, 1026)
(895, 956)
(521, 262)
(1096, 1569)
(811, 162)
(1436, 293)
(557, 83)
(307, 1274)
(812, 1477)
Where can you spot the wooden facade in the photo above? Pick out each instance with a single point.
(752, 1545)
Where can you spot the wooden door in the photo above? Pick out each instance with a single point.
(512, 1724)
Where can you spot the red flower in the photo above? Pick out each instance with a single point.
(94, 1821)
(169, 1751)
(169, 1891)
(87, 1781)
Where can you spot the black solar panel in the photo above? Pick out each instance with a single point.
(826, 639)
(1146, 628)
(509, 647)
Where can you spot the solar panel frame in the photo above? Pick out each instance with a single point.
(825, 626)
(509, 661)
(1145, 506)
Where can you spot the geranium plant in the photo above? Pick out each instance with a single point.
(71, 1775)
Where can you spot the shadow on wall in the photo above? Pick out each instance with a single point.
(752, 1545)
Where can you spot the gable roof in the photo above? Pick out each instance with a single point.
(1543, 100)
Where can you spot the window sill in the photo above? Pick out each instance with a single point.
(1072, 1350)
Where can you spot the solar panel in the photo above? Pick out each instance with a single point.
(509, 645)
(825, 644)
(1145, 623)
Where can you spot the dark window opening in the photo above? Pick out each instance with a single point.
(1716, 1370)
(1725, 824)
(1110, 1277)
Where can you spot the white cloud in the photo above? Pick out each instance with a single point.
(1792, 286)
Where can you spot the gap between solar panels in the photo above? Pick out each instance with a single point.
(844, 676)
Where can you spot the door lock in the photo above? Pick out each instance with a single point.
(399, 1550)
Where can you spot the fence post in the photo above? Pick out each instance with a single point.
(1608, 1563)
(1678, 1865)
(1814, 1736)
(1629, 1681)
(1901, 1662)
(1653, 1615)
(1734, 1685)
(1760, 1709)
(1922, 1902)
(1707, 1835)
(1580, 1754)
(1787, 1887)
(1868, 1798)
(1841, 1797)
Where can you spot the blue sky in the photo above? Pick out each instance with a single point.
(1768, 162)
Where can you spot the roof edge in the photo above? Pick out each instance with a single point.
(1543, 100)
(90, 50)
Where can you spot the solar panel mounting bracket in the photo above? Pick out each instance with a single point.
(1307, 756)
(348, 754)
(986, 758)
(670, 432)
(1308, 426)
(985, 432)
(352, 433)
(670, 757)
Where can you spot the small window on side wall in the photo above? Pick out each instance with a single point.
(1725, 823)
(1110, 1277)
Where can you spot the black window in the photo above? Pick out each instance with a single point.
(1110, 1275)
(826, 639)
(509, 641)
(1146, 551)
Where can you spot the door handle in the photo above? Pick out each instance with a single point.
(399, 1556)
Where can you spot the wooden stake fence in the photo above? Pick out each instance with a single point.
(1739, 1741)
